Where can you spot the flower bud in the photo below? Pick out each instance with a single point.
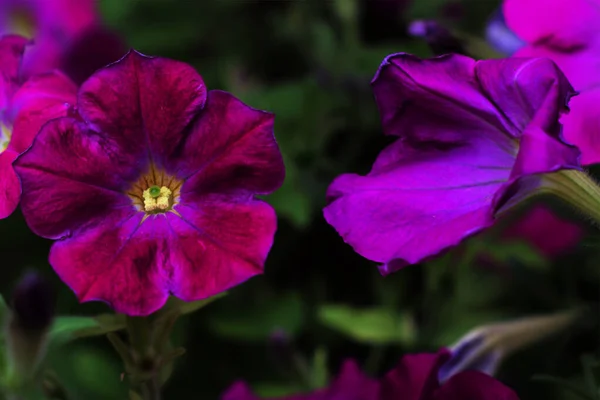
(30, 319)
(484, 348)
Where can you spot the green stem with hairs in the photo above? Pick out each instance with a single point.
(576, 188)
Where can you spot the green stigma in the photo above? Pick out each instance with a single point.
(154, 191)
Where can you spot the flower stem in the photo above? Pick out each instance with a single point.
(576, 188)
(146, 366)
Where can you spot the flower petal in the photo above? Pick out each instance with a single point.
(414, 378)
(582, 125)
(10, 188)
(231, 147)
(581, 66)
(217, 244)
(410, 91)
(474, 385)
(239, 391)
(404, 210)
(42, 98)
(143, 103)
(562, 24)
(118, 260)
(533, 94)
(72, 176)
(12, 48)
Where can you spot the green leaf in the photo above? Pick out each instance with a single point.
(185, 307)
(320, 373)
(372, 326)
(273, 389)
(257, 323)
(290, 200)
(519, 251)
(4, 310)
(65, 329)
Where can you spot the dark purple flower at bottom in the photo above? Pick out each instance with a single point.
(414, 378)
(149, 187)
(472, 138)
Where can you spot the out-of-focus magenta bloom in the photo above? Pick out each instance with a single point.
(55, 27)
(415, 378)
(468, 132)
(566, 31)
(24, 109)
(149, 189)
(582, 124)
(545, 231)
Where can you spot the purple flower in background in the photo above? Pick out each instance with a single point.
(468, 132)
(149, 189)
(500, 37)
(55, 27)
(25, 108)
(414, 378)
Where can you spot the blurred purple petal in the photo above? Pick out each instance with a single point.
(499, 35)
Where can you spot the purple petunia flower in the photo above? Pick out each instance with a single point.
(414, 378)
(24, 109)
(60, 28)
(149, 189)
(468, 133)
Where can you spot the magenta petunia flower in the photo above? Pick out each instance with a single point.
(150, 188)
(414, 378)
(24, 109)
(468, 132)
(59, 28)
(565, 31)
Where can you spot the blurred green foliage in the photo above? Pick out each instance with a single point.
(310, 62)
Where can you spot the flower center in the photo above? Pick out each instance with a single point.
(22, 22)
(157, 199)
(156, 192)
(5, 133)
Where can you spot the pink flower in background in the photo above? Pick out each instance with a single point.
(545, 231)
(568, 32)
(149, 188)
(55, 26)
(414, 378)
(468, 132)
(25, 108)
